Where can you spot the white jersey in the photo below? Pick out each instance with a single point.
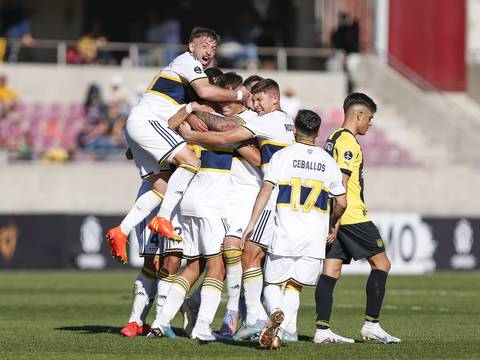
(167, 91)
(206, 194)
(305, 176)
(243, 173)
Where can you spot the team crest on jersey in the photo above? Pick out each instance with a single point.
(379, 243)
(348, 155)
(197, 69)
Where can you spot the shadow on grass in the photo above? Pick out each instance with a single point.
(92, 329)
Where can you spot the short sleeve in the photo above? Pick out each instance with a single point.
(258, 126)
(190, 69)
(345, 153)
(273, 170)
(336, 187)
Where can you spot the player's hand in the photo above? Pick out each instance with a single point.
(201, 107)
(185, 130)
(247, 234)
(196, 123)
(332, 233)
(245, 93)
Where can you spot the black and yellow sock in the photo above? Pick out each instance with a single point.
(375, 293)
(324, 300)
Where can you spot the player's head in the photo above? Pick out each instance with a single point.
(213, 74)
(231, 81)
(307, 124)
(250, 82)
(266, 96)
(203, 44)
(359, 109)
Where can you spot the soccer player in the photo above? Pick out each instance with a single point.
(305, 176)
(357, 237)
(274, 130)
(153, 143)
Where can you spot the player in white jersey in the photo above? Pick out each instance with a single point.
(153, 143)
(304, 176)
(274, 130)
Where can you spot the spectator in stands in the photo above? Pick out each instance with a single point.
(347, 35)
(291, 102)
(14, 24)
(117, 96)
(21, 147)
(8, 97)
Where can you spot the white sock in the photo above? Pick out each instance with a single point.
(175, 298)
(141, 292)
(211, 295)
(143, 207)
(252, 286)
(290, 305)
(273, 295)
(232, 256)
(163, 287)
(262, 314)
(177, 184)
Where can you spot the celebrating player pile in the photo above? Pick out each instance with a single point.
(251, 201)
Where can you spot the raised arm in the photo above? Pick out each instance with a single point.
(214, 137)
(211, 92)
(250, 152)
(175, 121)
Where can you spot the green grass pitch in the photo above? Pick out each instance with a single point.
(78, 315)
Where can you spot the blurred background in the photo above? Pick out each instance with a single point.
(71, 70)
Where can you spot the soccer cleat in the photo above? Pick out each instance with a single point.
(230, 324)
(373, 331)
(269, 332)
(164, 227)
(133, 329)
(247, 332)
(327, 336)
(161, 331)
(287, 336)
(190, 315)
(118, 242)
(203, 334)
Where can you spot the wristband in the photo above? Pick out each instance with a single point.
(239, 95)
(189, 108)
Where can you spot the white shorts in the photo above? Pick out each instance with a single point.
(202, 236)
(154, 244)
(303, 270)
(240, 210)
(153, 144)
(263, 234)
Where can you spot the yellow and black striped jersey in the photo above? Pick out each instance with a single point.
(345, 149)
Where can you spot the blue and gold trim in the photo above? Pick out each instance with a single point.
(170, 87)
(216, 159)
(268, 148)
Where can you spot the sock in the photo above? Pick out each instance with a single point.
(232, 256)
(175, 297)
(262, 314)
(273, 297)
(150, 302)
(196, 298)
(324, 300)
(141, 292)
(163, 287)
(177, 185)
(211, 294)
(375, 293)
(252, 286)
(143, 207)
(290, 305)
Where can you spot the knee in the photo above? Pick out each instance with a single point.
(171, 264)
(380, 262)
(332, 269)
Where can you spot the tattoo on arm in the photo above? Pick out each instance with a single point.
(217, 122)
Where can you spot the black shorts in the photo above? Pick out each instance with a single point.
(357, 241)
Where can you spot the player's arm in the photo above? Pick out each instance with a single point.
(214, 137)
(216, 122)
(338, 203)
(260, 203)
(175, 121)
(251, 153)
(212, 92)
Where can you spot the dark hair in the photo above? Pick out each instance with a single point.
(265, 85)
(213, 74)
(307, 122)
(359, 99)
(229, 80)
(200, 31)
(251, 79)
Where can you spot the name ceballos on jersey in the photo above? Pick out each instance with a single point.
(308, 165)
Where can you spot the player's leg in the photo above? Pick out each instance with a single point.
(188, 165)
(336, 255)
(143, 297)
(232, 255)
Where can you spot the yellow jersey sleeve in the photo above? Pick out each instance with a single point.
(345, 153)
